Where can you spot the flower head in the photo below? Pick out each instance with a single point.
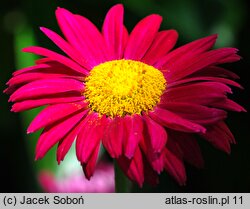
(131, 92)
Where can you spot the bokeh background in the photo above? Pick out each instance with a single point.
(19, 27)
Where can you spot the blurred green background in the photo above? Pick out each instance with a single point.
(19, 27)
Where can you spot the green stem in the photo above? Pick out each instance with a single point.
(122, 183)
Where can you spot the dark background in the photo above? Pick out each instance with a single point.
(19, 25)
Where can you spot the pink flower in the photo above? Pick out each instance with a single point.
(131, 92)
(102, 181)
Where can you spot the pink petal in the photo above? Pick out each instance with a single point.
(52, 134)
(175, 167)
(113, 31)
(65, 144)
(156, 134)
(89, 167)
(190, 149)
(156, 160)
(114, 137)
(219, 137)
(54, 113)
(93, 40)
(205, 78)
(10, 89)
(215, 71)
(46, 87)
(133, 168)
(30, 104)
(125, 39)
(56, 57)
(51, 69)
(44, 60)
(28, 69)
(142, 37)
(227, 131)
(30, 77)
(188, 50)
(229, 59)
(65, 46)
(199, 93)
(195, 113)
(46, 73)
(187, 66)
(70, 29)
(89, 137)
(229, 104)
(173, 121)
(164, 41)
(67, 22)
(134, 128)
(83, 36)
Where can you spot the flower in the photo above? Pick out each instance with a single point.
(131, 92)
(102, 181)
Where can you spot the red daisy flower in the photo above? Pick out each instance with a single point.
(130, 92)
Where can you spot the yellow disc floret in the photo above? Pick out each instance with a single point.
(123, 87)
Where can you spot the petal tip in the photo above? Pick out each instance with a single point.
(37, 157)
(59, 160)
(30, 129)
(43, 29)
(26, 49)
(118, 6)
(215, 35)
(59, 9)
(201, 129)
(243, 109)
(13, 109)
(5, 91)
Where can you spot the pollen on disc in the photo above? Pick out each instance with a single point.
(123, 87)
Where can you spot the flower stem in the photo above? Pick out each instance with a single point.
(122, 183)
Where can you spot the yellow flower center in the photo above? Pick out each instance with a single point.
(123, 87)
